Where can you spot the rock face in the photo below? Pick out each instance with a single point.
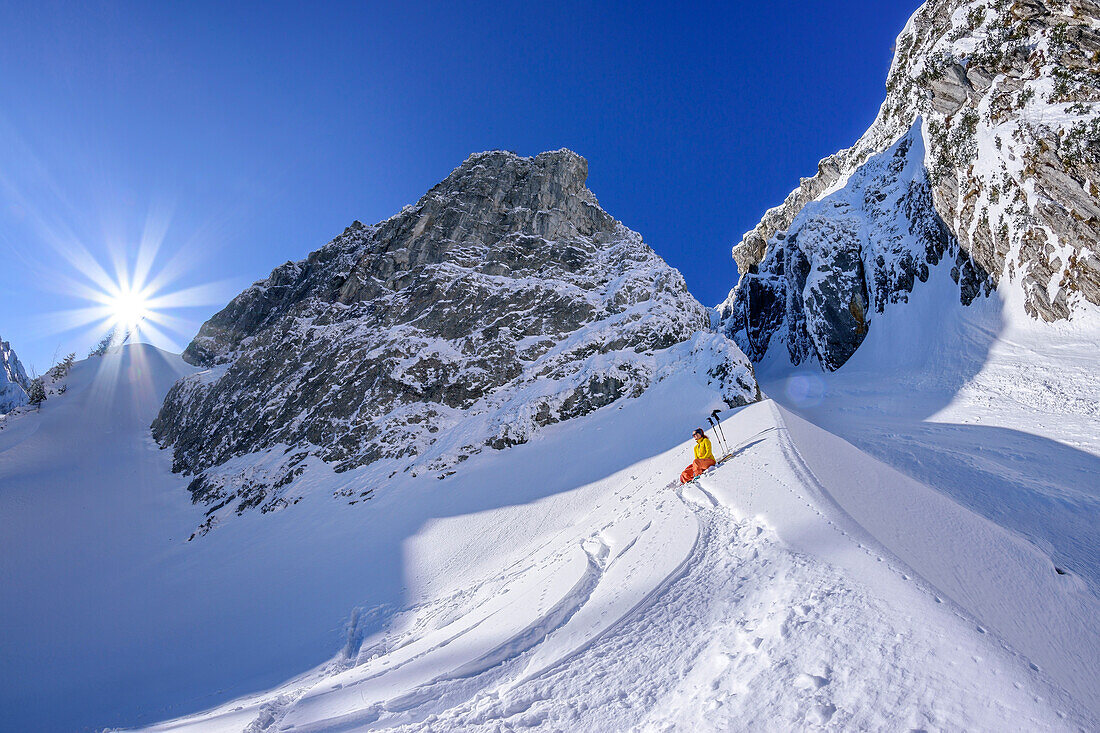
(14, 382)
(986, 150)
(505, 300)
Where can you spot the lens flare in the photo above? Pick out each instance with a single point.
(127, 309)
(805, 390)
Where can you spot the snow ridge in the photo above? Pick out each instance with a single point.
(704, 608)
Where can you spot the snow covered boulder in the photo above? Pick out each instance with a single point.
(505, 300)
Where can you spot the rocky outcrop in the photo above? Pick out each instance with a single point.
(844, 257)
(1001, 99)
(14, 382)
(505, 300)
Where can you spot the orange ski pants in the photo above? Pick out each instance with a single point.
(696, 469)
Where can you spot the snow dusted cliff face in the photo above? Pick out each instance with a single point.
(986, 151)
(505, 300)
(14, 382)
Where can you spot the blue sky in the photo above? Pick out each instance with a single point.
(240, 137)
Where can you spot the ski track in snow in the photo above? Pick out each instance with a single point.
(730, 628)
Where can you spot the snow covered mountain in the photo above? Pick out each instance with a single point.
(986, 152)
(505, 300)
(14, 382)
(908, 540)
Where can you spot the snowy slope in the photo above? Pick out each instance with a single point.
(805, 583)
(995, 410)
(112, 617)
(934, 571)
(89, 510)
(786, 589)
(561, 584)
(999, 413)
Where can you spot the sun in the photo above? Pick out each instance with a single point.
(128, 309)
(132, 291)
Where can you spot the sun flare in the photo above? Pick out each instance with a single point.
(129, 308)
(131, 292)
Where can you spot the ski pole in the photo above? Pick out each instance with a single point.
(717, 422)
(717, 437)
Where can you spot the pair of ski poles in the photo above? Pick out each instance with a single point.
(716, 424)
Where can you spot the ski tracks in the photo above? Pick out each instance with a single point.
(623, 675)
(743, 632)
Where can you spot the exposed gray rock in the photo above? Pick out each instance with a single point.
(949, 92)
(844, 257)
(1003, 95)
(14, 383)
(505, 300)
(979, 78)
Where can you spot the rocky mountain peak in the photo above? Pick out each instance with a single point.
(1002, 102)
(548, 177)
(506, 299)
(498, 214)
(544, 196)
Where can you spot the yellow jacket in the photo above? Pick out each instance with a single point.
(702, 449)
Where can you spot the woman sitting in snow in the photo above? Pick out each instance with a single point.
(704, 459)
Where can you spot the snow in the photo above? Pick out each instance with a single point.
(112, 612)
(998, 413)
(879, 552)
(773, 605)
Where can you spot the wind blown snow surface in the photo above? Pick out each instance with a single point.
(879, 552)
(111, 617)
(761, 596)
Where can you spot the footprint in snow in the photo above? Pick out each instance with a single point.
(806, 681)
(821, 714)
